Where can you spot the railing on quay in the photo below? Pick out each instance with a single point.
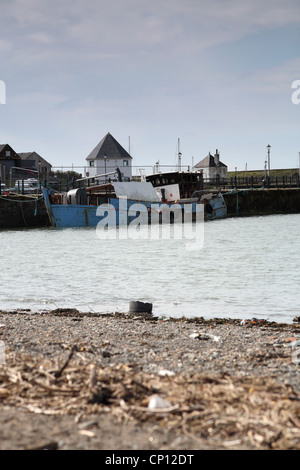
(234, 182)
(253, 182)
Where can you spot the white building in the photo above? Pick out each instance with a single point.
(106, 157)
(212, 167)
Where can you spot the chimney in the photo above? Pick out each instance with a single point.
(217, 158)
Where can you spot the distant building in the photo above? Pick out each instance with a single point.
(106, 157)
(212, 167)
(40, 163)
(21, 165)
(12, 164)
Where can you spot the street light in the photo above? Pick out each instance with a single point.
(265, 168)
(268, 147)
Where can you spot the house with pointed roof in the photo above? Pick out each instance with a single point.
(212, 167)
(22, 165)
(106, 157)
(39, 162)
(8, 159)
(12, 164)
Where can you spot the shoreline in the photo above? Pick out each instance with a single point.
(85, 381)
(67, 311)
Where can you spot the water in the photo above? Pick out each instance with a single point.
(248, 267)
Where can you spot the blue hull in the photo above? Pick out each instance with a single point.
(73, 215)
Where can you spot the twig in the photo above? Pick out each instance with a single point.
(58, 373)
(50, 446)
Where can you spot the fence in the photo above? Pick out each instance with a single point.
(253, 182)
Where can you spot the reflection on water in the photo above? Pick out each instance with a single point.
(246, 267)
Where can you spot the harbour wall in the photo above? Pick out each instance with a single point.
(22, 212)
(245, 203)
(25, 212)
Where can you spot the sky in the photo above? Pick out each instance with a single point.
(206, 75)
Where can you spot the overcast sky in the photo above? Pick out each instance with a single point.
(215, 74)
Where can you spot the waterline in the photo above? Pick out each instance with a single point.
(247, 267)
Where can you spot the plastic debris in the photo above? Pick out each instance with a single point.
(166, 373)
(215, 338)
(258, 320)
(194, 335)
(253, 321)
(157, 402)
(294, 344)
(290, 340)
(205, 336)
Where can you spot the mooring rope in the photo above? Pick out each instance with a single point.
(5, 198)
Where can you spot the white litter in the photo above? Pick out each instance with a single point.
(166, 373)
(157, 402)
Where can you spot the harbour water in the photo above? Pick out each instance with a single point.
(247, 267)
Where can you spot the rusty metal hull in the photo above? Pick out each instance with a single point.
(75, 215)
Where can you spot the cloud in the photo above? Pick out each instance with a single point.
(39, 99)
(5, 46)
(134, 66)
(274, 80)
(42, 38)
(140, 26)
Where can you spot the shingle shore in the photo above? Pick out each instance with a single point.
(149, 349)
(180, 345)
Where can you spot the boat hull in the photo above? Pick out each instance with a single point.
(75, 215)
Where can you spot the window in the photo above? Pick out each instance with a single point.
(7, 153)
(125, 162)
(92, 163)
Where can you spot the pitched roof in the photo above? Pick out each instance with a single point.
(2, 147)
(25, 155)
(33, 156)
(109, 147)
(208, 161)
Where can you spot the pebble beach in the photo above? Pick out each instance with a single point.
(71, 380)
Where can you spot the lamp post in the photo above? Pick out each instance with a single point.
(265, 169)
(268, 147)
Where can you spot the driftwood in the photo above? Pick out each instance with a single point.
(225, 411)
